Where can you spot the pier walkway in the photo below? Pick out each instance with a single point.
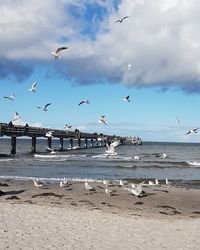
(90, 139)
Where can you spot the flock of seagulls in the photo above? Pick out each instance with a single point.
(135, 189)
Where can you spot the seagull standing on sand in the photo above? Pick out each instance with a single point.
(89, 187)
(33, 87)
(38, 183)
(83, 102)
(107, 182)
(108, 191)
(64, 183)
(126, 98)
(167, 182)
(111, 148)
(122, 19)
(102, 119)
(45, 107)
(11, 97)
(56, 53)
(192, 131)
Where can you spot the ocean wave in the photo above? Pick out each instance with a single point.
(194, 163)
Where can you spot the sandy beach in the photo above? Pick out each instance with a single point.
(74, 218)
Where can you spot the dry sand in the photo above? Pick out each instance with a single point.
(73, 218)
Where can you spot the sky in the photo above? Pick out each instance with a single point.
(160, 39)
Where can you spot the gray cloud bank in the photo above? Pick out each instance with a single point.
(160, 39)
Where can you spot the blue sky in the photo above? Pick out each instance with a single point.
(160, 39)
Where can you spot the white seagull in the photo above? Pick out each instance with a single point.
(111, 148)
(192, 131)
(126, 98)
(108, 191)
(38, 183)
(122, 19)
(83, 102)
(107, 182)
(49, 134)
(56, 53)
(64, 183)
(33, 87)
(16, 117)
(11, 97)
(178, 120)
(45, 107)
(102, 119)
(51, 150)
(129, 66)
(89, 187)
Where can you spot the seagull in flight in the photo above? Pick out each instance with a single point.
(102, 119)
(33, 87)
(49, 134)
(56, 53)
(16, 117)
(126, 98)
(129, 66)
(45, 107)
(68, 126)
(11, 97)
(192, 131)
(83, 101)
(122, 19)
(111, 148)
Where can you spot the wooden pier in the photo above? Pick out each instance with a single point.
(90, 139)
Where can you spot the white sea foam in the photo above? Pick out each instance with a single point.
(194, 163)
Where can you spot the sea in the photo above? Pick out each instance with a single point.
(178, 162)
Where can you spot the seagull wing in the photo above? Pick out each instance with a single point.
(61, 48)
(47, 105)
(81, 103)
(124, 18)
(115, 143)
(118, 21)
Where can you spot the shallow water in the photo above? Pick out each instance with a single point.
(182, 164)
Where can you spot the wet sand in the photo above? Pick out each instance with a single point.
(74, 218)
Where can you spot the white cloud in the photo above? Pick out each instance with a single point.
(160, 39)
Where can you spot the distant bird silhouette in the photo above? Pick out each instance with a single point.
(11, 97)
(45, 107)
(192, 131)
(83, 102)
(33, 87)
(177, 119)
(102, 119)
(126, 98)
(56, 53)
(16, 117)
(68, 126)
(122, 19)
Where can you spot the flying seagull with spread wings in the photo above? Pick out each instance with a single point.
(10, 97)
(56, 53)
(126, 98)
(102, 119)
(33, 87)
(122, 19)
(192, 131)
(45, 107)
(83, 101)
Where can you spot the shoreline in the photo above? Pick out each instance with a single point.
(74, 218)
(158, 201)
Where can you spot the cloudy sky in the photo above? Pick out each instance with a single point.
(160, 39)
